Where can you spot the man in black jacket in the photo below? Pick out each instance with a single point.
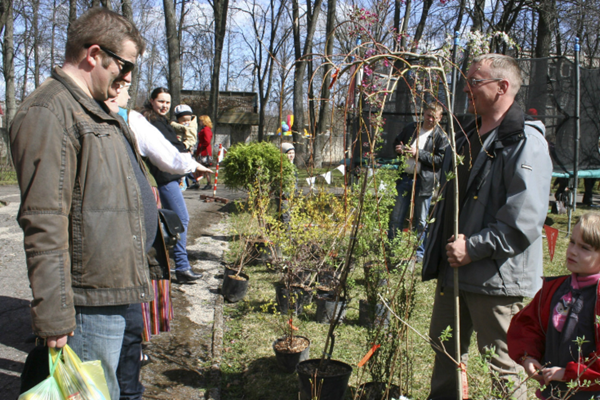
(423, 146)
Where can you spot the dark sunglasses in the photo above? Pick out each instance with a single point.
(125, 66)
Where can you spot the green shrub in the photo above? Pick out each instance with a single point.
(259, 162)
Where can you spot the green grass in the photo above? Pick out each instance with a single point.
(8, 176)
(337, 179)
(249, 367)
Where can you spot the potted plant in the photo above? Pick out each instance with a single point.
(290, 348)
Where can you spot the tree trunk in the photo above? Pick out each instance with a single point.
(421, 26)
(26, 53)
(300, 68)
(460, 96)
(459, 16)
(220, 8)
(9, 70)
(135, 75)
(538, 93)
(72, 11)
(35, 4)
(53, 33)
(404, 26)
(174, 52)
(325, 109)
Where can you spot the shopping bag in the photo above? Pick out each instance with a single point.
(79, 380)
(47, 389)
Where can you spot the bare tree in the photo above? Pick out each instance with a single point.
(301, 53)
(8, 64)
(264, 43)
(220, 8)
(325, 109)
(174, 51)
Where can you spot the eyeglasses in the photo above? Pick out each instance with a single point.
(476, 82)
(125, 66)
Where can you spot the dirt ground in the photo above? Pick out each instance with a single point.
(184, 362)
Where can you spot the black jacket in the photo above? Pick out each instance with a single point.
(163, 125)
(431, 157)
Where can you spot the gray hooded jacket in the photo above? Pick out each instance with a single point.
(503, 213)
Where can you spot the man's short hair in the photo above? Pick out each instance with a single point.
(504, 67)
(102, 27)
(434, 106)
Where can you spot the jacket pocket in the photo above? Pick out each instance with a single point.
(83, 128)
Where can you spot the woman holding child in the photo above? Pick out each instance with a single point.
(155, 111)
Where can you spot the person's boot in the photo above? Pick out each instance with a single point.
(187, 276)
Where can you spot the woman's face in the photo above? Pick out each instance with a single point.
(161, 104)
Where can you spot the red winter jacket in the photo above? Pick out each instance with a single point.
(527, 334)
(204, 139)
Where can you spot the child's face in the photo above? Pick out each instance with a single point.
(291, 155)
(184, 119)
(582, 258)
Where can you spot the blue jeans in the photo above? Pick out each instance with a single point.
(172, 199)
(99, 336)
(402, 207)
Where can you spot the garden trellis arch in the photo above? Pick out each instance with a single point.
(568, 106)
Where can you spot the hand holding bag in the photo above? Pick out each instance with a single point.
(47, 389)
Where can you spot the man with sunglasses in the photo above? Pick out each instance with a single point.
(503, 186)
(87, 211)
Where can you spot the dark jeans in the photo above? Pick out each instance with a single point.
(402, 207)
(130, 363)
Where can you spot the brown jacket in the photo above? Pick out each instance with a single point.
(81, 211)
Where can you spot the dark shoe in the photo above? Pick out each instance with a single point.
(145, 359)
(207, 187)
(187, 276)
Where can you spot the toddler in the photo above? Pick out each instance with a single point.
(556, 336)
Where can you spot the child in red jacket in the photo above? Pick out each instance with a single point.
(556, 336)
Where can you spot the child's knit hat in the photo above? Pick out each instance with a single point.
(182, 110)
(285, 147)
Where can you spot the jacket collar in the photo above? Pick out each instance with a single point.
(97, 108)
(512, 124)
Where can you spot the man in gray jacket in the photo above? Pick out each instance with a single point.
(504, 181)
(87, 211)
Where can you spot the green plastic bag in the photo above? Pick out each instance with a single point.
(79, 380)
(47, 389)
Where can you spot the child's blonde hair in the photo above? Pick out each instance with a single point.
(205, 119)
(590, 229)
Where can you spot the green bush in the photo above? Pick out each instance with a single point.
(259, 162)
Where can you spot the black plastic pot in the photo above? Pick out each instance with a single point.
(371, 315)
(235, 289)
(299, 296)
(229, 271)
(326, 306)
(288, 361)
(330, 385)
(376, 391)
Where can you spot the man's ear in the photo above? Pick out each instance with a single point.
(503, 86)
(92, 55)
